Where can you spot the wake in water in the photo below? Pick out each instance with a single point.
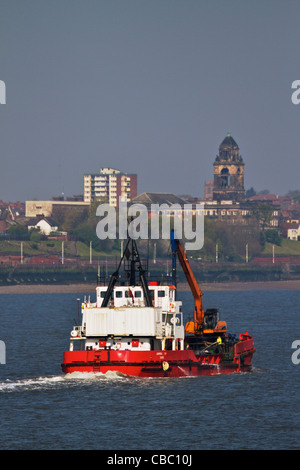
(110, 375)
(29, 383)
(40, 383)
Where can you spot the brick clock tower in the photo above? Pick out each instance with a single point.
(229, 172)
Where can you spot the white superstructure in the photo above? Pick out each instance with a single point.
(126, 323)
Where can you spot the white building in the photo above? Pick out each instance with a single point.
(293, 232)
(109, 184)
(44, 225)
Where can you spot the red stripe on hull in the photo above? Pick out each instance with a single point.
(150, 363)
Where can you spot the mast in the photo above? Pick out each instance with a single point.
(133, 256)
(135, 259)
(174, 254)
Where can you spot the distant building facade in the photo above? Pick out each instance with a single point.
(224, 197)
(45, 208)
(228, 172)
(291, 230)
(148, 199)
(110, 184)
(208, 191)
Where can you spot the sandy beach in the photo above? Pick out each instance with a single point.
(90, 288)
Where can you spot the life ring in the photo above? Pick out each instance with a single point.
(74, 333)
(165, 365)
(175, 320)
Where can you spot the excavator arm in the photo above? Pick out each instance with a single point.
(196, 326)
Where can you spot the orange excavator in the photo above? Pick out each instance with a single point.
(205, 322)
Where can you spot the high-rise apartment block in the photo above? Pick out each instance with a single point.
(109, 185)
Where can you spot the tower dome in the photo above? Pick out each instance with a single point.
(229, 142)
(229, 150)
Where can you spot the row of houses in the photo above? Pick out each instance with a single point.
(224, 198)
(284, 217)
(288, 211)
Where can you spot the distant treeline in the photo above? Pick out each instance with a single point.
(227, 241)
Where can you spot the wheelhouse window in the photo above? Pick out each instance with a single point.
(161, 293)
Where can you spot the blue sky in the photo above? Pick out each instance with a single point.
(149, 87)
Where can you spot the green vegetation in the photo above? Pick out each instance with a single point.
(229, 242)
(44, 248)
(287, 248)
(18, 232)
(231, 247)
(272, 236)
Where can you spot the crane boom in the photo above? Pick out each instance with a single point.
(195, 326)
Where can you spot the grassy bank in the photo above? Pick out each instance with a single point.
(81, 250)
(55, 274)
(287, 248)
(52, 247)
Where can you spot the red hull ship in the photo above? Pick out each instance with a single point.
(136, 328)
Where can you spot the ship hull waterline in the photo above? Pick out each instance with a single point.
(155, 363)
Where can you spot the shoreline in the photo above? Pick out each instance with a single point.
(183, 287)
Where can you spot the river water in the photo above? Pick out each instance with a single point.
(43, 409)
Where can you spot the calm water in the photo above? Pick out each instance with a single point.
(42, 409)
